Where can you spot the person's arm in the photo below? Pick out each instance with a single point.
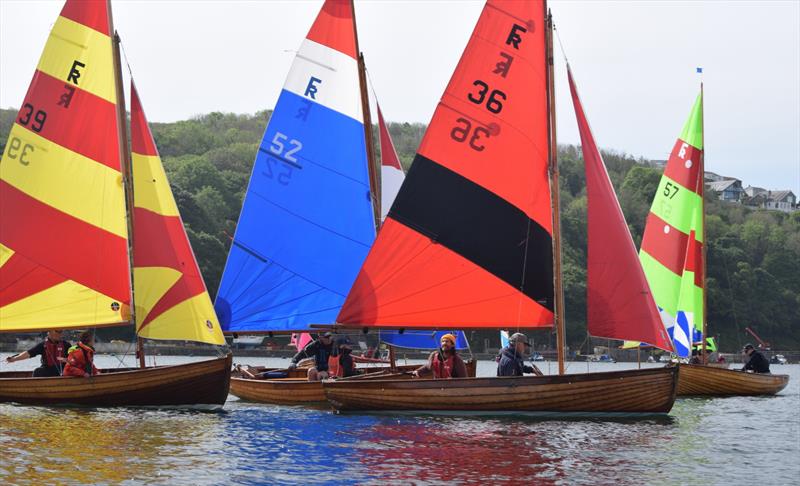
(18, 357)
(459, 368)
(307, 352)
(426, 367)
(505, 367)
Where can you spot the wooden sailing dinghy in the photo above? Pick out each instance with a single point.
(673, 255)
(71, 230)
(702, 380)
(311, 210)
(471, 240)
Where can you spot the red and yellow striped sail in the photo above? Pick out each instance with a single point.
(63, 234)
(171, 298)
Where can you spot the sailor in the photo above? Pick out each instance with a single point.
(321, 349)
(757, 362)
(445, 361)
(341, 363)
(53, 351)
(511, 362)
(80, 361)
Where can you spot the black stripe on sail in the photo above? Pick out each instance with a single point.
(479, 225)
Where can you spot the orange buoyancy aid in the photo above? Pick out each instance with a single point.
(334, 368)
(80, 361)
(442, 369)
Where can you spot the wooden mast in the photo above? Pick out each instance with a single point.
(554, 193)
(374, 181)
(126, 169)
(702, 189)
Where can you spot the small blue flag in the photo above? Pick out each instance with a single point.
(699, 70)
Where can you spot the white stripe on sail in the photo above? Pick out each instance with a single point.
(327, 77)
(391, 180)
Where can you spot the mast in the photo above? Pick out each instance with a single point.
(702, 189)
(125, 162)
(554, 194)
(374, 181)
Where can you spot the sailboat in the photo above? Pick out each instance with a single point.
(472, 240)
(312, 208)
(673, 256)
(71, 229)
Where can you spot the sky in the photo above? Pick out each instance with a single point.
(634, 63)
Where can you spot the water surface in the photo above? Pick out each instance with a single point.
(710, 441)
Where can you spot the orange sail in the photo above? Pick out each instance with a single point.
(620, 304)
(171, 298)
(63, 231)
(468, 241)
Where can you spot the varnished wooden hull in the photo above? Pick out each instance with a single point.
(699, 380)
(203, 384)
(648, 391)
(299, 391)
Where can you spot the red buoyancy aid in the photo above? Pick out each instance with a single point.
(53, 351)
(442, 369)
(334, 368)
(80, 361)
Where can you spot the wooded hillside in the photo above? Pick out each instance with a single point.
(753, 255)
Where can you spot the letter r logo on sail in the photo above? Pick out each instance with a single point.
(311, 89)
(682, 152)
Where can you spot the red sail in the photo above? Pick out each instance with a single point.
(619, 302)
(468, 241)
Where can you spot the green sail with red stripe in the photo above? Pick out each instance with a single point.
(672, 245)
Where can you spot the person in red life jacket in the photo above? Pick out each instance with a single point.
(53, 351)
(342, 363)
(80, 361)
(445, 361)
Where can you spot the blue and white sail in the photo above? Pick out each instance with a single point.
(307, 220)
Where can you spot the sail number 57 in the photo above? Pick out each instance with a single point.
(670, 190)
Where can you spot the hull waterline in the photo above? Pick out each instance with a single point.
(630, 392)
(203, 385)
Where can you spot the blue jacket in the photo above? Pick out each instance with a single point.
(511, 363)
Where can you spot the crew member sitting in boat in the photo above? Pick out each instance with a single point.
(53, 351)
(757, 363)
(80, 361)
(342, 363)
(445, 361)
(511, 361)
(321, 349)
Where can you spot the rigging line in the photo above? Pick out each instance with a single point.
(524, 270)
(124, 54)
(560, 44)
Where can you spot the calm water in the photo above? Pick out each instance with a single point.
(703, 441)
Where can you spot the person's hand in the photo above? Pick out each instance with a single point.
(62, 359)
(292, 366)
(415, 374)
(85, 374)
(10, 359)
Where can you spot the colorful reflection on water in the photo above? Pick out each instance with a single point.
(719, 440)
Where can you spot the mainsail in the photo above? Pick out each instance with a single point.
(468, 241)
(171, 297)
(619, 302)
(63, 231)
(672, 245)
(392, 175)
(307, 221)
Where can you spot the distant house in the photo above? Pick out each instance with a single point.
(753, 191)
(781, 200)
(728, 189)
(714, 177)
(774, 200)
